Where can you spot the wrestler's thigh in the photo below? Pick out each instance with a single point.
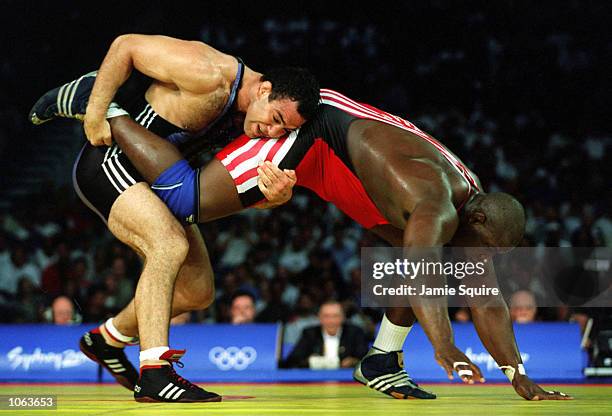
(141, 220)
(218, 195)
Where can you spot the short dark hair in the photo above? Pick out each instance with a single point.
(241, 292)
(295, 84)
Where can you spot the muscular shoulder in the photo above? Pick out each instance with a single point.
(418, 173)
(210, 69)
(192, 66)
(416, 180)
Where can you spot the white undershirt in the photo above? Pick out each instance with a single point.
(331, 344)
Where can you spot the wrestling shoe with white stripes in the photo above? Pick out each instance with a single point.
(160, 383)
(69, 101)
(384, 372)
(94, 346)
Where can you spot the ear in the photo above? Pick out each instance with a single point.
(264, 88)
(477, 217)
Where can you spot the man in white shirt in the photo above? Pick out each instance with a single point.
(333, 344)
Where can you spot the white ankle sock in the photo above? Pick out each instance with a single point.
(391, 337)
(114, 332)
(152, 353)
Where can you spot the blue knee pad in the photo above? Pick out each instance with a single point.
(179, 187)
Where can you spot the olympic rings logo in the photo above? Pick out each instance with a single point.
(232, 358)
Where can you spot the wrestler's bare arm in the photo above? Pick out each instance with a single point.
(419, 195)
(189, 66)
(494, 326)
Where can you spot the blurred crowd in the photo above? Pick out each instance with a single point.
(521, 101)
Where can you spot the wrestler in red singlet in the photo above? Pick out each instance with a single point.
(318, 151)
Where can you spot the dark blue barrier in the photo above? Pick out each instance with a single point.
(223, 352)
(248, 353)
(50, 353)
(550, 351)
(43, 353)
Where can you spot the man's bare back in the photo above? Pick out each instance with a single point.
(376, 148)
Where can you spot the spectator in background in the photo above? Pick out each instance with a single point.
(242, 310)
(331, 344)
(603, 226)
(119, 290)
(15, 268)
(62, 311)
(304, 316)
(29, 301)
(275, 309)
(262, 259)
(234, 245)
(46, 254)
(295, 255)
(95, 311)
(4, 250)
(290, 291)
(342, 250)
(523, 307)
(55, 275)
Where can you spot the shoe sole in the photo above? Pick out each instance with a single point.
(120, 379)
(147, 399)
(33, 116)
(399, 396)
(396, 395)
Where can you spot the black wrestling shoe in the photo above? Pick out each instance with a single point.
(160, 383)
(69, 100)
(384, 372)
(94, 346)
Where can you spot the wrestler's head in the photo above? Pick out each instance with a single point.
(285, 99)
(491, 220)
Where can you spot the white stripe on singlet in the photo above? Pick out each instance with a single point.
(113, 169)
(116, 173)
(130, 179)
(246, 185)
(151, 120)
(285, 147)
(242, 149)
(111, 178)
(139, 116)
(143, 121)
(344, 103)
(253, 161)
